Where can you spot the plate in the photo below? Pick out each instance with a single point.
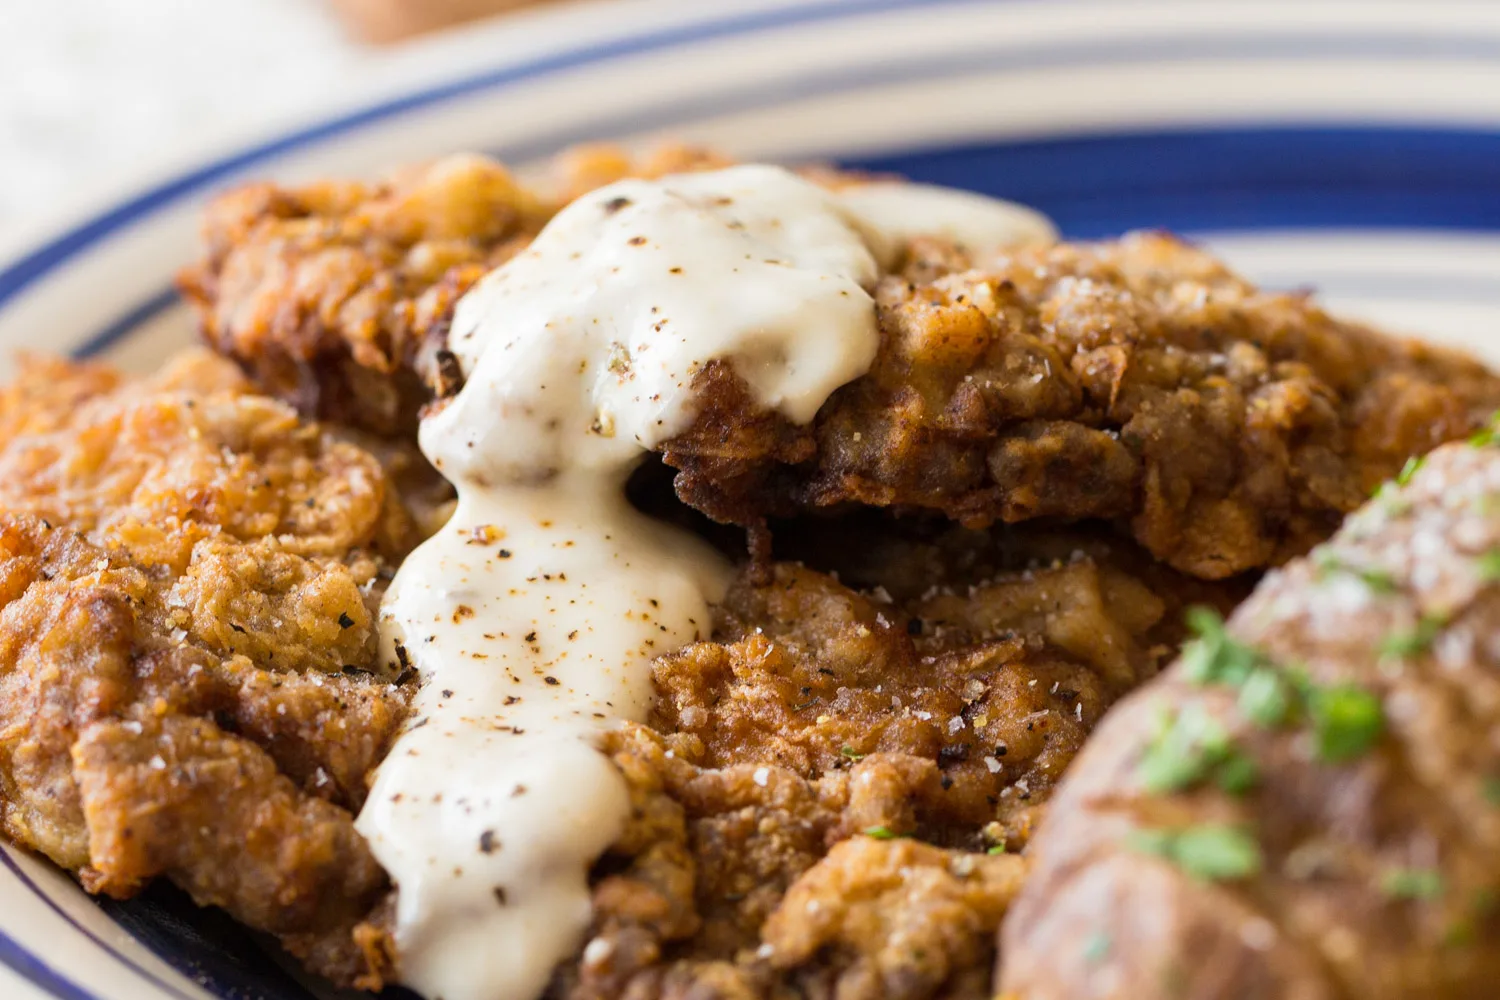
(1357, 156)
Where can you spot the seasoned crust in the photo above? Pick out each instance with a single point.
(1378, 871)
(1137, 381)
(334, 295)
(821, 721)
(188, 584)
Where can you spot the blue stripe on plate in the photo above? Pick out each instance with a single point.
(1234, 178)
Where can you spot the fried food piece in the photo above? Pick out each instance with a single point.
(189, 577)
(751, 881)
(1361, 691)
(1137, 381)
(333, 295)
(807, 675)
(819, 787)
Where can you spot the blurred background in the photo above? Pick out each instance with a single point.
(96, 91)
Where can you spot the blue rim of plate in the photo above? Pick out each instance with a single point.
(1428, 177)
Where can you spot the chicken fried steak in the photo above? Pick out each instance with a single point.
(830, 797)
(1308, 805)
(1137, 381)
(189, 578)
(832, 779)
(190, 575)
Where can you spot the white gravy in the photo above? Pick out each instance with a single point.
(532, 616)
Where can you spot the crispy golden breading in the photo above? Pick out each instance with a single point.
(1373, 816)
(188, 583)
(752, 881)
(819, 787)
(1137, 381)
(333, 295)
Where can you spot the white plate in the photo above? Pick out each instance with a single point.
(1352, 148)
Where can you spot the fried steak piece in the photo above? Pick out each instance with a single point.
(333, 295)
(189, 577)
(1136, 381)
(831, 796)
(1362, 686)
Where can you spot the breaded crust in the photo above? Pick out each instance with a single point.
(335, 295)
(1136, 381)
(188, 583)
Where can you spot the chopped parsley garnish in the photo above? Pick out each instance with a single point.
(1488, 566)
(1415, 641)
(1378, 580)
(852, 753)
(1486, 435)
(1408, 470)
(1213, 657)
(1212, 852)
(879, 833)
(996, 849)
(1191, 747)
(1346, 720)
(1491, 789)
(1265, 698)
(1237, 774)
(1412, 883)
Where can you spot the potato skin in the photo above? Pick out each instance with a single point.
(1403, 603)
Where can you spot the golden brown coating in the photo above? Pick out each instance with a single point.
(334, 295)
(1359, 855)
(1137, 381)
(807, 675)
(188, 581)
(819, 788)
(751, 881)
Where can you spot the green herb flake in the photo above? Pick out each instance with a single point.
(1378, 580)
(1488, 566)
(1213, 657)
(1485, 436)
(1412, 883)
(1265, 699)
(1186, 748)
(1096, 949)
(879, 833)
(1346, 721)
(1412, 642)
(996, 849)
(852, 753)
(1412, 466)
(1237, 774)
(1211, 852)
(1490, 787)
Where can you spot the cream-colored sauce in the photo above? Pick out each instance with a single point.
(532, 616)
(893, 213)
